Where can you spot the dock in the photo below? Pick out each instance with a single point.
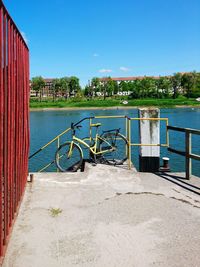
(107, 216)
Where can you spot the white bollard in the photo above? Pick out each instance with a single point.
(149, 133)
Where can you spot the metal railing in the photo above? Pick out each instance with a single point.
(188, 148)
(127, 126)
(57, 138)
(153, 119)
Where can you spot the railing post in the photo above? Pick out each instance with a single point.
(126, 127)
(58, 157)
(167, 133)
(127, 135)
(188, 161)
(129, 143)
(90, 130)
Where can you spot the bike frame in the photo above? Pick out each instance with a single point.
(93, 148)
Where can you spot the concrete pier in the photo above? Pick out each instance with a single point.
(106, 217)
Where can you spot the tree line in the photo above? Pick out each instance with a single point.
(187, 84)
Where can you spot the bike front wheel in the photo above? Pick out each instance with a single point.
(69, 157)
(117, 147)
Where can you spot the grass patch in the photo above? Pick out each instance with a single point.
(55, 212)
(97, 103)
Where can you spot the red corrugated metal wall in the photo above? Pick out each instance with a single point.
(14, 122)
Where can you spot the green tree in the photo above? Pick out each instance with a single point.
(86, 90)
(56, 88)
(197, 86)
(136, 89)
(164, 87)
(176, 84)
(123, 86)
(109, 87)
(148, 87)
(74, 85)
(64, 86)
(95, 85)
(103, 89)
(37, 85)
(188, 82)
(130, 86)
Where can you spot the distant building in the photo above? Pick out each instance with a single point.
(46, 91)
(32, 92)
(126, 79)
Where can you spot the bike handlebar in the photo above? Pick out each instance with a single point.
(76, 125)
(87, 118)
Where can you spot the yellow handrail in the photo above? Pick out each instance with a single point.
(128, 136)
(49, 143)
(153, 119)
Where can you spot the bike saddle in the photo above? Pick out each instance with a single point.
(95, 124)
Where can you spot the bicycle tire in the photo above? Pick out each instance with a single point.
(68, 164)
(119, 142)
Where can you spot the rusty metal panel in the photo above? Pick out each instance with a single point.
(14, 122)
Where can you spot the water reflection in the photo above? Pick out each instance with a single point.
(45, 125)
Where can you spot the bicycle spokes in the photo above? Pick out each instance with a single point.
(68, 157)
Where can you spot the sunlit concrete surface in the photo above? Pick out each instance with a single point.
(106, 217)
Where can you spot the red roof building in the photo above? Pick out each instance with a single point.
(126, 79)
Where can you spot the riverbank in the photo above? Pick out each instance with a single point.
(112, 104)
(104, 108)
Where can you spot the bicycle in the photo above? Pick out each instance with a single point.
(110, 148)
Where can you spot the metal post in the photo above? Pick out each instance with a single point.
(126, 127)
(90, 130)
(188, 161)
(127, 135)
(167, 134)
(129, 143)
(58, 156)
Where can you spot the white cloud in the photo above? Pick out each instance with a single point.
(24, 37)
(124, 69)
(95, 55)
(105, 71)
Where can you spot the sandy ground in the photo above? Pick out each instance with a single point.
(107, 217)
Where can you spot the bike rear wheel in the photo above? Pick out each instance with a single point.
(119, 144)
(68, 157)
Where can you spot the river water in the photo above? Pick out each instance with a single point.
(45, 125)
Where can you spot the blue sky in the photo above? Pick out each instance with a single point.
(109, 37)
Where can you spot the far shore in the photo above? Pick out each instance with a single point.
(109, 108)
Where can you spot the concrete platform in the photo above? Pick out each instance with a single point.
(107, 217)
